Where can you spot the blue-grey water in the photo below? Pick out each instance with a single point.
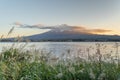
(64, 47)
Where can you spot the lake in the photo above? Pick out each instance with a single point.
(74, 48)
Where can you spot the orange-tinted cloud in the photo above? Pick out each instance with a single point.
(65, 28)
(97, 31)
(89, 31)
(18, 23)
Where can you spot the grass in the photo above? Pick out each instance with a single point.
(16, 64)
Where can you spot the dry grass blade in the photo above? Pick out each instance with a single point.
(11, 30)
(1, 37)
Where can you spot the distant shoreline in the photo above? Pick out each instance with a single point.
(59, 41)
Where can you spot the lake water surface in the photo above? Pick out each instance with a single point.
(64, 47)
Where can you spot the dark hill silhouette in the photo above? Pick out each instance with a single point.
(72, 35)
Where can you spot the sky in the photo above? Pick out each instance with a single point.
(90, 14)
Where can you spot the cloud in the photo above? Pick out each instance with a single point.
(64, 28)
(18, 23)
(99, 31)
(40, 26)
(80, 29)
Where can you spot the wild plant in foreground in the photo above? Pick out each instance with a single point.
(17, 65)
(117, 53)
(99, 56)
(11, 30)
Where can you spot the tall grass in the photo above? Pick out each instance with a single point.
(24, 65)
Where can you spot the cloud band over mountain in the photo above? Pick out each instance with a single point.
(64, 28)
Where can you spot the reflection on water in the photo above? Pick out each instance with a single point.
(74, 48)
(58, 48)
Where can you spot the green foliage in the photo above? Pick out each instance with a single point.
(18, 65)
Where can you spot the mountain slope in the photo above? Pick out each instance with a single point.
(72, 35)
